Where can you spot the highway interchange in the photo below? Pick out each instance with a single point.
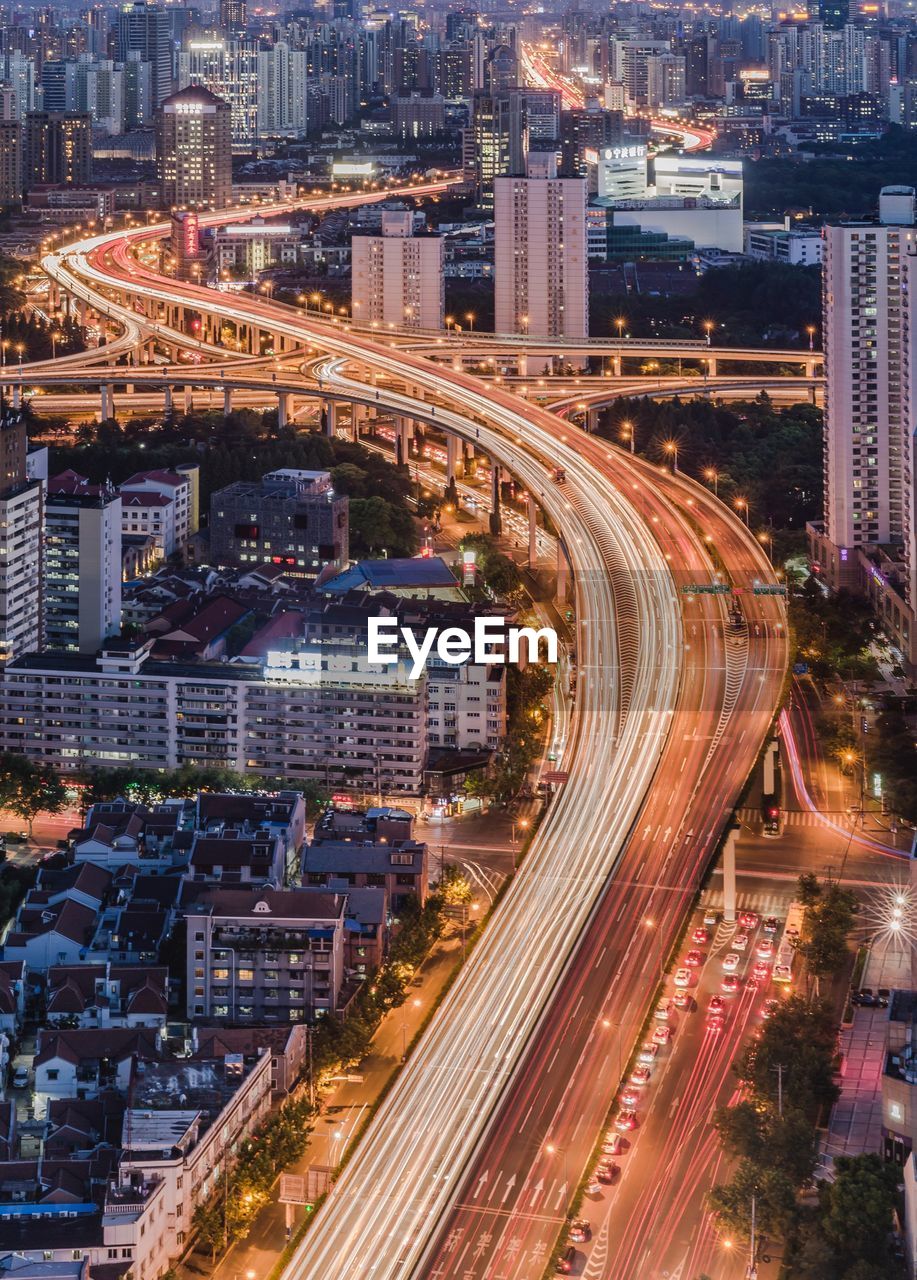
(671, 708)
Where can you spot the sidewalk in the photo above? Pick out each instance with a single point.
(344, 1108)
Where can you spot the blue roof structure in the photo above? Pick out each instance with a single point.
(424, 573)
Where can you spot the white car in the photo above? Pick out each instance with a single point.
(648, 1052)
(730, 962)
(663, 1011)
(739, 941)
(662, 1035)
(682, 977)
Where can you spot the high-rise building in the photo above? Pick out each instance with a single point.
(867, 541)
(397, 278)
(281, 94)
(194, 150)
(58, 148)
(10, 161)
(21, 524)
(233, 16)
(229, 69)
(497, 128)
(143, 29)
(82, 570)
(541, 283)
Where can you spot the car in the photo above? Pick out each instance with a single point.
(625, 1121)
(662, 1035)
(761, 971)
(580, 1231)
(648, 1052)
(711, 919)
(564, 1264)
(663, 1011)
(769, 1008)
(606, 1172)
(715, 1022)
(739, 941)
(630, 1097)
(884, 995)
(701, 937)
(16, 837)
(730, 962)
(20, 1077)
(694, 959)
(682, 977)
(783, 973)
(717, 1005)
(748, 919)
(771, 925)
(682, 1000)
(730, 983)
(765, 949)
(640, 1075)
(613, 1144)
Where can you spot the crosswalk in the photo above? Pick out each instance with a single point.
(765, 904)
(791, 818)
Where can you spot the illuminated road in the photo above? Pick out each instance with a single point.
(661, 696)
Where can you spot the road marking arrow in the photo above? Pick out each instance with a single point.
(481, 1181)
(561, 1196)
(536, 1191)
(510, 1183)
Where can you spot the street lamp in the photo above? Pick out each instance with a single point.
(465, 909)
(404, 1028)
(628, 432)
(741, 505)
(523, 825)
(650, 924)
(708, 327)
(469, 316)
(766, 538)
(810, 330)
(713, 476)
(671, 448)
(558, 1151)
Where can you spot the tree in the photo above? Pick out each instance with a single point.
(28, 789)
(859, 1207)
(454, 886)
(773, 1195)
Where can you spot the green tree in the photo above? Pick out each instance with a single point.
(454, 886)
(773, 1194)
(28, 789)
(859, 1206)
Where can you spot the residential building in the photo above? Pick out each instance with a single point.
(540, 253)
(254, 246)
(290, 517)
(82, 573)
(866, 542)
(58, 148)
(106, 995)
(194, 150)
(400, 868)
(496, 139)
(21, 552)
(229, 69)
(307, 710)
(10, 161)
(397, 278)
(282, 91)
(776, 242)
(178, 489)
(276, 955)
(418, 115)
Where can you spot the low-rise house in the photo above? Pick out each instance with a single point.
(53, 933)
(81, 1063)
(288, 1047)
(107, 995)
(399, 869)
(235, 858)
(12, 996)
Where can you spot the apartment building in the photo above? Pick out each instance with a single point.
(397, 278)
(276, 955)
(82, 578)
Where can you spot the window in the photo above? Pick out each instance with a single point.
(54, 1074)
(246, 975)
(220, 975)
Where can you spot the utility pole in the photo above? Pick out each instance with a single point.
(309, 1031)
(779, 1070)
(752, 1271)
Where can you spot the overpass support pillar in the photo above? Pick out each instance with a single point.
(357, 418)
(84, 313)
(563, 573)
(188, 399)
(729, 876)
(468, 452)
(452, 445)
(592, 420)
(283, 408)
(404, 432)
(533, 534)
(227, 401)
(53, 296)
(616, 365)
(711, 366)
(328, 417)
(17, 397)
(167, 403)
(107, 402)
(496, 519)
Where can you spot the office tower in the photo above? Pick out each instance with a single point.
(583, 134)
(21, 523)
(540, 277)
(139, 109)
(229, 69)
(18, 72)
(397, 278)
(870, 340)
(628, 65)
(144, 29)
(497, 131)
(835, 14)
(82, 570)
(58, 148)
(419, 115)
(542, 119)
(665, 81)
(10, 161)
(194, 150)
(697, 66)
(502, 70)
(58, 86)
(233, 16)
